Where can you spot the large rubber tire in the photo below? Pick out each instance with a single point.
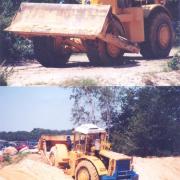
(86, 171)
(159, 36)
(48, 53)
(97, 50)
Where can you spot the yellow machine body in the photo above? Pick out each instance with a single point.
(68, 28)
(72, 20)
(55, 149)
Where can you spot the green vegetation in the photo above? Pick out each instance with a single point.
(141, 121)
(5, 72)
(174, 6)
(11, 47)
(20, 156)
(7, 159)
(174, 64)
(33, 135)
(80, 82)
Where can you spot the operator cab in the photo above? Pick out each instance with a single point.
(89, 138)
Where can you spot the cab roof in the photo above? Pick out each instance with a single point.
(89, 129)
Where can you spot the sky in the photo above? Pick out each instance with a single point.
(28, 108)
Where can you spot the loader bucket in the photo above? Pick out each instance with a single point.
(45, 19)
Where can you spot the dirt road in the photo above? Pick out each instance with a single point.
(136, 72)
(33, 168)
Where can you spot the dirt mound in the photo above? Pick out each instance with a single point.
(158, 168)
(32, 169)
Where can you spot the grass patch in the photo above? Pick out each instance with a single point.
(174, 64)
(5, 72)
(79, 82)
(20, 156)
(7, 159)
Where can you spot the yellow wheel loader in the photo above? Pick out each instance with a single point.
(87, 156)
(104, 29)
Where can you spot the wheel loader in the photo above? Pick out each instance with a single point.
(104, 29)
(87, 156)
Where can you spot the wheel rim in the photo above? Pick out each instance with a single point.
(164, 35)
(83, 174)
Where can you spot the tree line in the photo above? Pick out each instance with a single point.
(33, 135)
(143, 121)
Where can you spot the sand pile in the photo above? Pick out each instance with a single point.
(158, 168)
(30, 169)
(33, 167)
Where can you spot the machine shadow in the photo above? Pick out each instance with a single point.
(126, 61)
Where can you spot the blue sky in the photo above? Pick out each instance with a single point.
(28, 108)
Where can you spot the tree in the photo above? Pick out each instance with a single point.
(11, 46)
(95, 104)
(143, 121)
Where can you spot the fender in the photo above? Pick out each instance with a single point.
(154, 8)
(97, 163)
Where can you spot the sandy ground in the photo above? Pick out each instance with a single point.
(136, 72)
(158, 168)
(33, 168)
